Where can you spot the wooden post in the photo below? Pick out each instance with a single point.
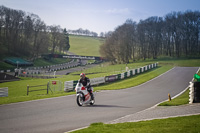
(27, 89)
(169, 97)
(48, 88)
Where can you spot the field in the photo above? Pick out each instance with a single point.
(18, 89)
(87, 46)
(37, 63)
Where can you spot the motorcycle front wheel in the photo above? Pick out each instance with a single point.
(79, 100)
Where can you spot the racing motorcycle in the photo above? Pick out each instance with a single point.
(83, 96)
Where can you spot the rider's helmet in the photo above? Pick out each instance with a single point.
(82, 75)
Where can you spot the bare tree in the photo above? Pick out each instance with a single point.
(176, 34)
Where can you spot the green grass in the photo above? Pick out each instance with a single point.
(180, 100)
(181, 62)
(135, 80)
(37, 63)
(82, 45)
(107, 69)
(6, 66)
(17, 89)
(53, 61)
(189, 124)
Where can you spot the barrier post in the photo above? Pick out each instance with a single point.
(48, 88)
(27, 89)
(191, 93)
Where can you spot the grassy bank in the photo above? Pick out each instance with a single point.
(37, 63)
(136, 80)
(82, 45)
(18, 89)
(180, 100)
(189, 124)
(53, 61)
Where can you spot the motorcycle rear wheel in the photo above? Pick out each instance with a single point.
(79, 100)
(92, 102)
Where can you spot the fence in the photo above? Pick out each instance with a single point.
(55, 85)
(70, 85)
(4, 92)
(194, 88)
(40, 86)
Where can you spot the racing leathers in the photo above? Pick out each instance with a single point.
(86, 83)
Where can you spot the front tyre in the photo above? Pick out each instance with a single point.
(79, 100)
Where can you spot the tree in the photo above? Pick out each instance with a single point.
(67, 45)
(26, 34)
(54, 30)
(176, 34)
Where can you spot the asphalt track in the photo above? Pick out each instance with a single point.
(58, 115)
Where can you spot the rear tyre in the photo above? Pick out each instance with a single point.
(79, 100)
(92, 102)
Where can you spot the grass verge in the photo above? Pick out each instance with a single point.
(17, 89)
(53, 61)
(135, 80)
(190, 124)
(180, 100)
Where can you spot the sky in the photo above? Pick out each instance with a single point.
(99, 15)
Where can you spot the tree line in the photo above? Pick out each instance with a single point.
(177, 34)
(83, 32)
(25, 34)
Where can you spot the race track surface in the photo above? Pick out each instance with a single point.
(58, 115)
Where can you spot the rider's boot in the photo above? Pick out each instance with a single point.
(92, 96)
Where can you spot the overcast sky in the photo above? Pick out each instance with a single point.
(98, 15)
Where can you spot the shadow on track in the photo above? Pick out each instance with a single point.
(106, 106)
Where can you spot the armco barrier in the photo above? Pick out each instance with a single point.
(196, 92)
(129, 73)
(118, 76)
(70, 85)
(74, 83)
(138, 70)
(122, 75)
(4, 92)
(111, 78)
(97, 81)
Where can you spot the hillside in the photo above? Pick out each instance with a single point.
(82, 45)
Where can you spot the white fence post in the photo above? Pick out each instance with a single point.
(191, 93)
(133, 71)
(122, 75)
(68, 86)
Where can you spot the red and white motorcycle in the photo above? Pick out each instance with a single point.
(83, 96)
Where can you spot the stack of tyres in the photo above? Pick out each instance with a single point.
(197, 92)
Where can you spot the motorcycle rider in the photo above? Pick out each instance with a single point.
(86, 83)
